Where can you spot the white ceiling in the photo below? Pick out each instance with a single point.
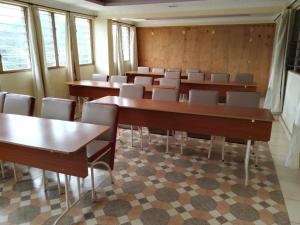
(179, 12)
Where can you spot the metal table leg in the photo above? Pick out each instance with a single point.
(247, 157)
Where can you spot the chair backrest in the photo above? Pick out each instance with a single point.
(118, 79)
(245, 78)
(195, 76)
(169, 82)
(158, 70)
(99, 77)
(162, 94)
(2, 98)
(58, 108)
(143, 80)
(102, 114)
(132, 91)
(173, 70)
(220, 77)
(19, 104)
(174, 75)
(243, 99)
(203, 97)
(192, 71)
(143, 69)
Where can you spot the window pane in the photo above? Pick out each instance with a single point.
(125, 43)
(60, 28)
(13, 38)
(83, 34)
(47, 31)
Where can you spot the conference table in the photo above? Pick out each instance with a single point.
(52, 145)
(218, 120)
(132, 74)
(99, 89)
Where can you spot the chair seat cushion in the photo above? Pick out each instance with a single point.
(96, 148)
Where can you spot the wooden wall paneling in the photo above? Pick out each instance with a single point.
(160, 45)
(176, 47)
(191, 58)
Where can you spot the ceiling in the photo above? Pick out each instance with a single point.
(179, 12)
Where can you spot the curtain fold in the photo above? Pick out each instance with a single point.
(133, 49)
(118, 50)
(275, 93)
(38, 58)
(73, 68)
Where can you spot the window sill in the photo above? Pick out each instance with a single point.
(57, 67)
(15, 71)
(89, 64)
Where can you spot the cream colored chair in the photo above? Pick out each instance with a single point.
(58, 109)
(143, 80)
(203, 98)
(172, 74)
(196, 76)
(245, 78)
(99, 77)
(105, 144)
(118, 79)
(220, 77)
(135, 91)
(160, 94)
(192, 71)
(169, 82)
(2, 98)
(158, 70)
(173, 70)
(143, 69)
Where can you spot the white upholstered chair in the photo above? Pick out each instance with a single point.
(245, 78)
(192, 71)
(220, 77)
(105, 144)
(169, 82)
(99, 77)
(143, 80)
(196, 76)
(172, 74)
(174, 70)
(143, 69)
(118, 79)
(160, 94)
(158, 70)
(2, 98)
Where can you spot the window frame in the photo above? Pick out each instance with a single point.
(29, 53)
(92, 43)
(128, 30)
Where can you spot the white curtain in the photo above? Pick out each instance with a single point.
(38, 59)
(133, 49)
(292, 159)
(118, 50)
(275, 93)
(73, 68)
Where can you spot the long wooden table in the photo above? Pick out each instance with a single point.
(218, 120)
(132, 74)
(53, 145)
(99, 89)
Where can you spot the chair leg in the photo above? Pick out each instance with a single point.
(2, 169)
(93, 182)
(15, 172)
(256, 154)
(181, 143)
(167, 146)
(149, 137)
(131, 127)
(223, 149)
(45, 181)
(58, 183)
(210, 147)
(141, 136)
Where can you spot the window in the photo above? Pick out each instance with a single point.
(125, 43)
(14, 50)
(83, 34)
(54, 37)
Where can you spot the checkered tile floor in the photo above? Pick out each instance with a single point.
(155, 188)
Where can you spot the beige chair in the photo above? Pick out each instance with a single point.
(143, 69)
(169, 82)
(220, 77)
(99, 77)
(246, 100)
(196, 76)
(245, 78)
(2, 98)
(160, 94)
(118, 79)
(158, 70)
(104, 146)
(58, 109)
(143, 80)
(204, 98)
(20, 105)
(192, 71)
(135, 91)
(172, 74)
(173, 70)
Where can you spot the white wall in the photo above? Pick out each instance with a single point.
(20, 83)
(291, 100)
